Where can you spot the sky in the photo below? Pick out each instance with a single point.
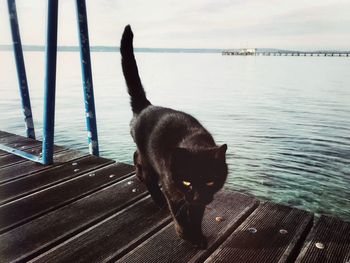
(288, 24)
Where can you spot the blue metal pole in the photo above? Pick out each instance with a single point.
(87, 77)
(21, 71)
(50, 82)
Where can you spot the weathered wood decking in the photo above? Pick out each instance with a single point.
(89, 209)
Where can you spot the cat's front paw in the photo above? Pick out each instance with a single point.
(200, 242)
(160, 202)
(180, 231)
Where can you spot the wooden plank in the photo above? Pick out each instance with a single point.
(19, 142)
(328, 242)
(31, 148)
(11, 159)
(23, 169)
(272, 233)
(4, 134)
(25, 209)
(29, 184)
(2, 153)
(29, 240)
(118, 233)
(165, 246)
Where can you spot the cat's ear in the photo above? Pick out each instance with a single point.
(221, 152)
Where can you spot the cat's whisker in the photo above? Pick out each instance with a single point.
(182, 206)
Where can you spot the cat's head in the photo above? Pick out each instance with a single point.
(199, 173)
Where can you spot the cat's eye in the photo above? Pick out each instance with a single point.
(210, 183)
(186, 183)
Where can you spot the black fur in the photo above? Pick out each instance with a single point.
(130, 71)
(173, 149)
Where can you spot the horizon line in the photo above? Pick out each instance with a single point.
(104, 48)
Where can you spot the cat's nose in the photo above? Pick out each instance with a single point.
(205, 200)
(202, 199)
(196, 197)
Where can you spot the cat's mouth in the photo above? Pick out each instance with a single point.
(200, 201)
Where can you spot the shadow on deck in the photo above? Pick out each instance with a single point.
(91, 209)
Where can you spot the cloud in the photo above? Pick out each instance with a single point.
(195, 23)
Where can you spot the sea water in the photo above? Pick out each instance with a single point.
(286, 120)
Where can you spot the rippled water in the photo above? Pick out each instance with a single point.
(286, 120)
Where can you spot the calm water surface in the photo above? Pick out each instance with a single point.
(286, 120)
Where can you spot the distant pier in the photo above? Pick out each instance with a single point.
(256, 52)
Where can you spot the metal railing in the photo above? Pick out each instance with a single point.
(50, 81)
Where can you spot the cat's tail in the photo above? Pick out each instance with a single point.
(131, 74)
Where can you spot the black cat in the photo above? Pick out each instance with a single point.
(173, 148)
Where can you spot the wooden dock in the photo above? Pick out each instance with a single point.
(91, 209)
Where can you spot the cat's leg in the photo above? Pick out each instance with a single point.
(195, 215)
(148, 176)
(178, 209)
(187, 220)
(151, 181)
(138, 166)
